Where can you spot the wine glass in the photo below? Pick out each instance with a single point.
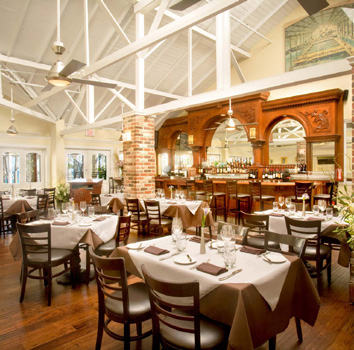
(83, 207)
(292, 209)
(322, 205)
(281, 202)
(64, 208)
(287, 202)
(226, 233)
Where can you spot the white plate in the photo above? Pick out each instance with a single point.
(135, 246)
(274, 258)
(214, 245)
(183, 260)
(85, 225)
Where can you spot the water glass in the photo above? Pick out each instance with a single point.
(181, 241)
(316, 210)
(91, 211)
(226, 233)
(220, 244)
(230, 256)
(329, 213)
(322, 205)
(287, 202)
(292, 209)
(64, 208)
(275, 206)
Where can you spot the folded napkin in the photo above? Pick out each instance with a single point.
(276, 214)
(211, 269)
(100, 218)
(314, 219)
(198, 239)
(156, 250)
(61, 223)
(251, 250)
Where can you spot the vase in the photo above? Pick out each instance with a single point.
(303, 208)
(202, 241)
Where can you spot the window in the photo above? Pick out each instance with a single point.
(99, 166)
(33, 167)
(11, 168)
(75, 166)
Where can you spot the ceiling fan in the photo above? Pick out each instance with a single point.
(59, 75)
(230, 123)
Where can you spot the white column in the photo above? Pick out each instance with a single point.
(139, 65)
(190, 62)
(223, 53)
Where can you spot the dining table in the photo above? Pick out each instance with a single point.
(115, 201)
(256, 302)
(19, 204)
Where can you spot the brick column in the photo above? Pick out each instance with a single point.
(139, 157)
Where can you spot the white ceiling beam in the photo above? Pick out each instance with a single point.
(208, 35)
(105, 107)
(139, 63)
(24, 110)
(94, 125)
(113, 21)
(123, 99)
(77, 107)
(237, 68)
(25, 63)
(190, 62)
(145, 6)
(75, 111)
(203, 13)
(301, 76)
(44, 96)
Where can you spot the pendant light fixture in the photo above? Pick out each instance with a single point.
(230, 124)
(12, 130)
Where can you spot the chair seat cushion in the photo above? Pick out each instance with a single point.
(106, 248)
(266, 197)
(219, 194)
(310, 251)
(199, 192)
(322, 196)
(134, 218)
(243, 195)
(139, 303)
(258, 242)
(57, 256)
(299, 199)
(164, 221)
(212, 334)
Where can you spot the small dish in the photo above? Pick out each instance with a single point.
(274, 258)
(135, 246)
(183, 260)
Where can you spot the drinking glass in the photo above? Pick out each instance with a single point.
(287, 202)
(183, 197)
(322, 205)
(316, 210)
(329, 213)
(229, 256)
(177, 195)
(226, 233)
(181, 241)
(64, 208)
(75, 208)
(292, 209)
(275, 206)
(281, 202)
(91, 211)
(83, 207)
(220, 243)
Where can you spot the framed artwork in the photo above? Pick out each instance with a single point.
(326, 36)
(283, 160)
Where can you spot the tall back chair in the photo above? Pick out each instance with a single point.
(233, 195)
(257, 195)
(139, 218)
(240, 231)
(51, 196)
(300, 189)
(118, 301)
(95, 199)
(31, 192)
(177, 323)
(28, 216)
(42, 204)
(191, 189)
(315, 251)
(328, 197)
(111, 187)
(38, 254)
(216, 199)
(155, 222)
(5, 220)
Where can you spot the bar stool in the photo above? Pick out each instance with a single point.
(300, 189)
(232, 194)
(191, 188)
(217, 197)
(257, 195)
(328, 197)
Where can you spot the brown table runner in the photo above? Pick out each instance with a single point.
(240, 305)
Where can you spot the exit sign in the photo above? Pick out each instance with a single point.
(90, 133)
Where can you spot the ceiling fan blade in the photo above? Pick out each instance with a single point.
(95, 83)
(211, 129)
(72, 67)
(47, 88)
(246, 124)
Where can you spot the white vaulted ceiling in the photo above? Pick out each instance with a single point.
(28, 30)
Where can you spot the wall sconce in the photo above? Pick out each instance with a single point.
(190, 140)
(253, 133)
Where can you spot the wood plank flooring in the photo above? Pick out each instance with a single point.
(71, 321)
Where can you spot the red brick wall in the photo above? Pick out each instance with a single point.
(139, 157)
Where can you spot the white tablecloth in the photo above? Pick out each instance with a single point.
(31, 201)
(106, 198)
(267, 278)
(165, 204)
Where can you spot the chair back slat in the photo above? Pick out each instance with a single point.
(231, 187)
(95, 199)
(191, 189)
(303, 187)
(256, 222)
(28, 216)
(255, 188)
(123, 229)
(51, 196)
(1, 207)
(208, 187)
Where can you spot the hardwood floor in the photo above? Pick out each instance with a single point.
(71, 321)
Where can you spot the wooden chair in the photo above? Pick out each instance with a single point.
(118, 301)
(111, 185)
(315, 251)
(257, 224)
(28, 216)
(95, 199)
(155, 222)
(42, 204)
(102, 209)
(6, 220)
(82, 195)
(258, 196)
(233, 195)
(139, 218)
(51, 196)
(121, 237)
(192, 191)
(31, 192)
(328, 197)
(177, 323)
(300, 189)
(240, 231)
(38, 254)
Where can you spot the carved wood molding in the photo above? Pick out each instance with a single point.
(319, 120)
(247, 113)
